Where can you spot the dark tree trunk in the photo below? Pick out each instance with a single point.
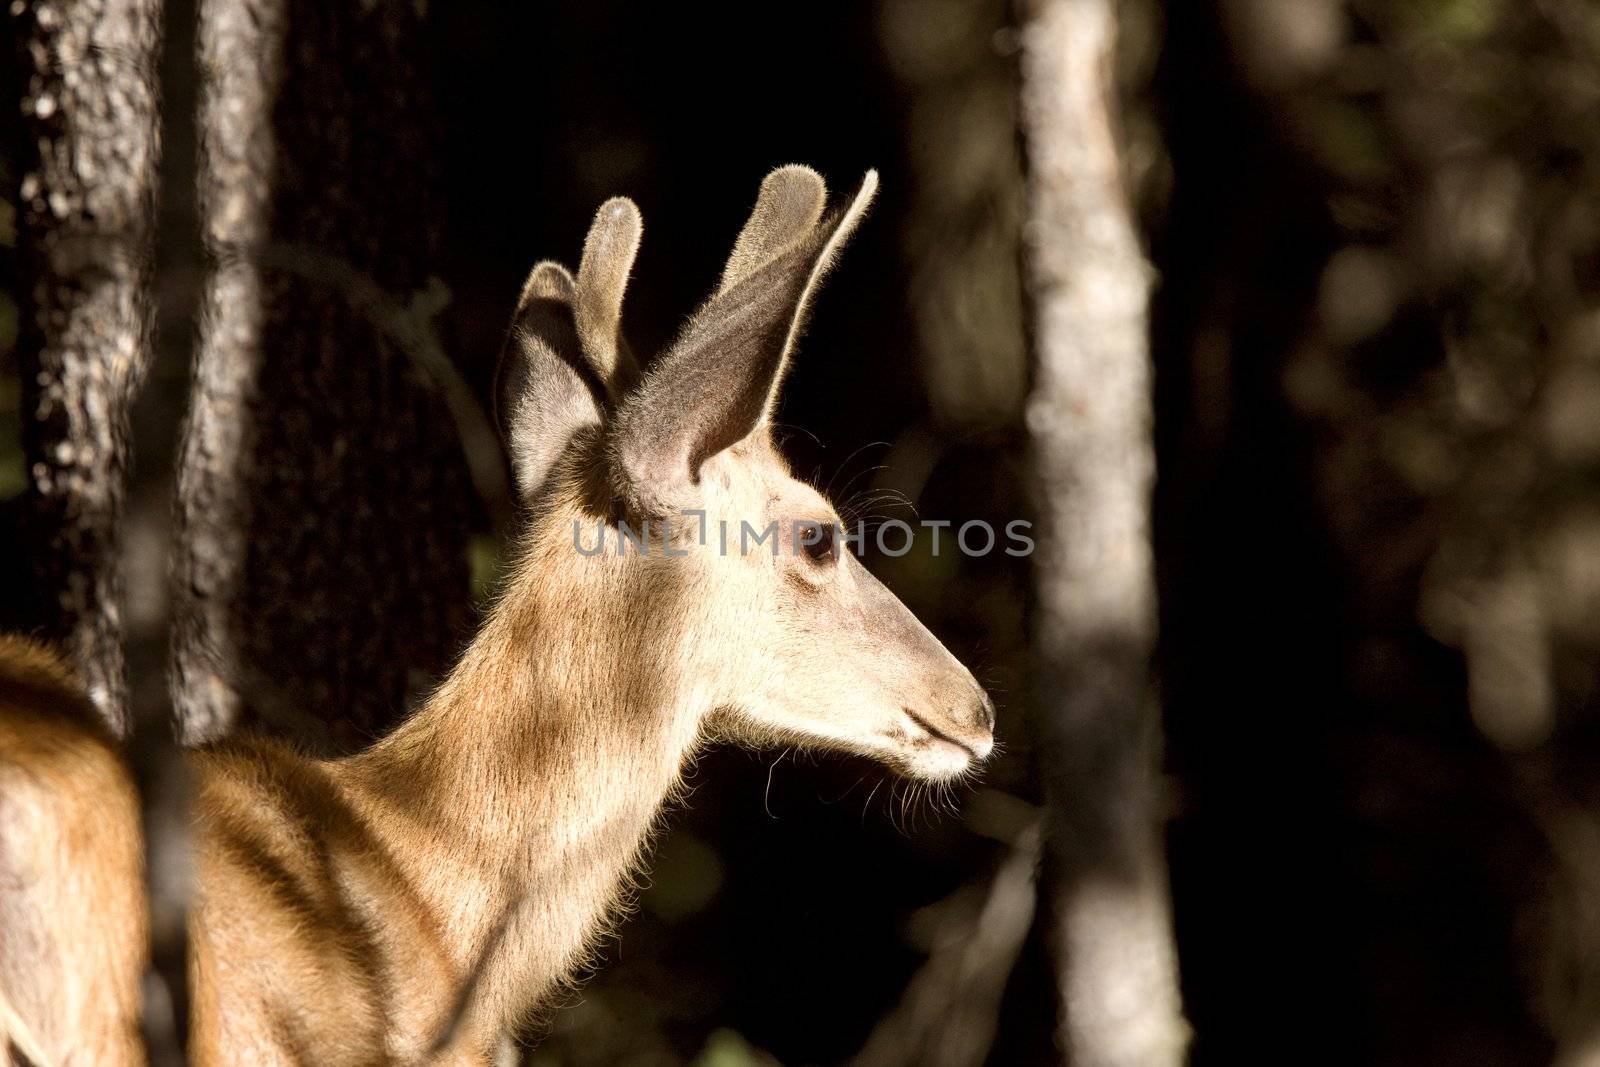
(323, 500)
(1089, 420)
(87, 204)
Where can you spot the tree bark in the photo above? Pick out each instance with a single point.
(323, 501)
(87, 203)
(1089, 420)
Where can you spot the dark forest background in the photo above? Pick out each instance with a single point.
(1373, 231)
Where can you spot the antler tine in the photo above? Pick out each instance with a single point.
(608, 254)
(788, 207)
(548, 280)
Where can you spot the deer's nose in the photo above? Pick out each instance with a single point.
(985, 713)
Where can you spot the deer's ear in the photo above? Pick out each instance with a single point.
(565, 362)
(718, 383)
(545, 392)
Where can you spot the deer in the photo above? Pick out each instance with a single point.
(415, 901)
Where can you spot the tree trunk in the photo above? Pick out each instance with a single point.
(323, 504)
(87, 203)
(1089, 418)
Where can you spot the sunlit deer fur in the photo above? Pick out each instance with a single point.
(343, 908)
(71, 883)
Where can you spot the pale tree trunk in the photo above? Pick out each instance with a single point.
(241, 51)
(323, 503)
(87, 202)
(1089, 419)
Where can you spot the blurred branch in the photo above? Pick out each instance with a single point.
(951, 1007)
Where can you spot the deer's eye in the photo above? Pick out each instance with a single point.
(820, 542)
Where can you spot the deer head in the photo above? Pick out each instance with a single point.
(742, 582)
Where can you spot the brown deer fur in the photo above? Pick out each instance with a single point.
(342, 906)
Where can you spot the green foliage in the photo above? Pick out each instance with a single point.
(13, 472)
(685, 876)
(728, 1048)
(1350, 139)
(1455, 21)
(486, 563)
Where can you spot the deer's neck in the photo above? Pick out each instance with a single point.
(520, 797)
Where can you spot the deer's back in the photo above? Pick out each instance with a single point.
(72, 919)
(297, 956)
